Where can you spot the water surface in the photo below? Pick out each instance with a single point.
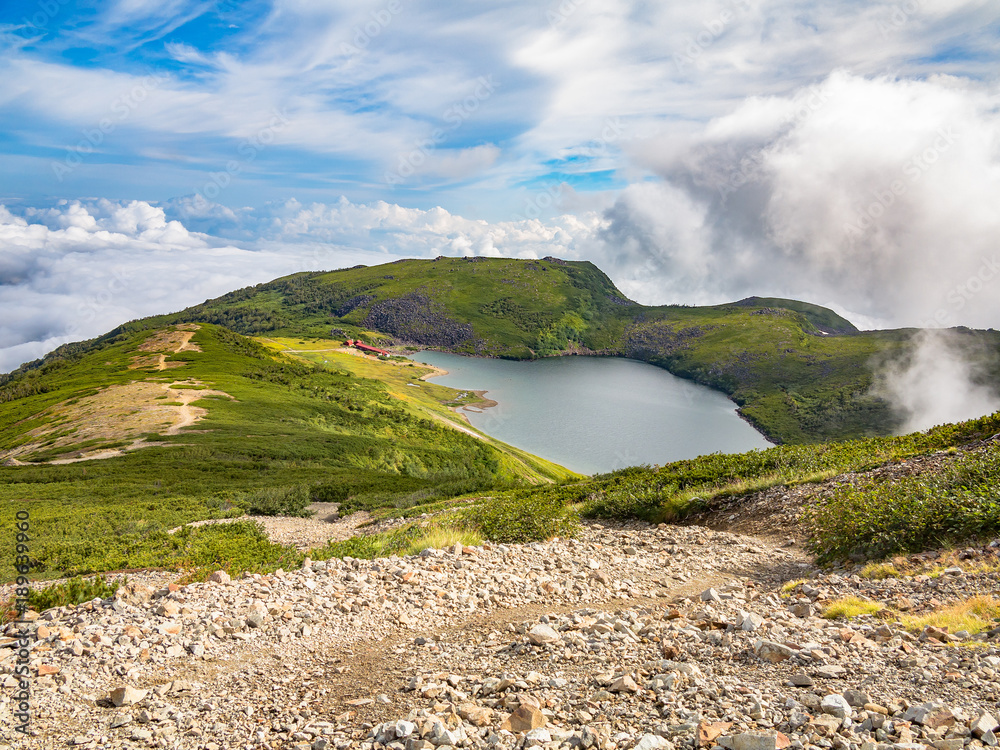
(597, 414)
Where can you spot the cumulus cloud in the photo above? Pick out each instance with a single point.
(79, 268)
(875, 195)
(390, 228)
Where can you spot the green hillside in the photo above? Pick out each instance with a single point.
(205, 423)
(800, 373)
(199, 422)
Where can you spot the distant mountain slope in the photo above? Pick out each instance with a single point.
(485, 306)
(825, 320)
(799, 372)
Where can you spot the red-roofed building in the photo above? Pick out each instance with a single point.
(369, 349)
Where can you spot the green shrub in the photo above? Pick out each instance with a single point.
(521, 517)
(886, 515)
(369, 546)
(644, 501)
(235, 547)
(279, 501)
(74, 591)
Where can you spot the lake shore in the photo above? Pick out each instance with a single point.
(478, 405)
(482, 403)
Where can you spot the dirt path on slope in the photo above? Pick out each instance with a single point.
(114, 420)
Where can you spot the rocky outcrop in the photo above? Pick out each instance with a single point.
(416, 319)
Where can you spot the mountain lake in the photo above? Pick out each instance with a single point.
(597, 414)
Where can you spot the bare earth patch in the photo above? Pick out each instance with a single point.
(117, 418)
(302, 533)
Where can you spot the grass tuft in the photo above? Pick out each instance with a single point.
(850, 607)
(442, 537)
(974, 615)
(880, 571)
(74, 591)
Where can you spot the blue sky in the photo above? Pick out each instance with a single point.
(697, 151)
(463, 105)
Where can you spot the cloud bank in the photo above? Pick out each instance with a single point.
(874, 195)
(942, 381)
(79, 268)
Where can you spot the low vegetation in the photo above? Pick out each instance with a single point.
(849, 607)
(974, 616)
(524, 516)
(674, 491)
(876, 518)
(292, 433)
(74, 591)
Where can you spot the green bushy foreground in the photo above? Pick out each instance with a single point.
(520, 516)
(74, 591)
(870, 520)
(879, 518)
(874, 519)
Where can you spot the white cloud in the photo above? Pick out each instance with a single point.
(78, 269)
(941, 382)
(876, 194)
(360, 83)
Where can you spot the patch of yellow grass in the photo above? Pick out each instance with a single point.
(901, 566)
(880, 571)
(974, 615)
(788, 588)
(441, 537)
(848, 607)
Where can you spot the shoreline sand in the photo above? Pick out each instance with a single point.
(477, 407)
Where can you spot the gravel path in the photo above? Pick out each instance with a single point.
(627, 636)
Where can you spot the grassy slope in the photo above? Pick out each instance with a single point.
(402, 381)
(951, 504)
(799, 372)
(289, 424)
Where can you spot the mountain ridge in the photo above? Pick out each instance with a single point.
(798, 372)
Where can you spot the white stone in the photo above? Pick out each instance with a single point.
(835, 705)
